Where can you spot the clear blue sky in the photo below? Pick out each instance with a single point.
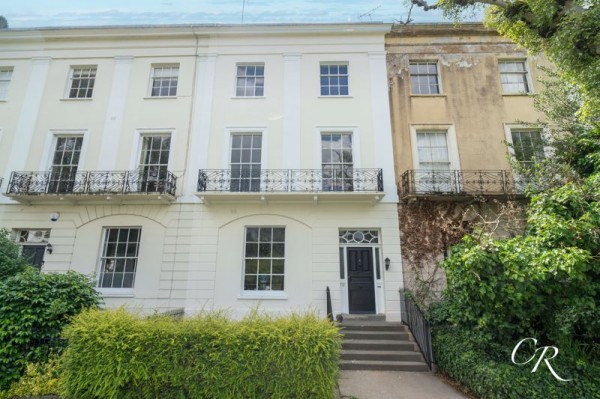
(38, 13)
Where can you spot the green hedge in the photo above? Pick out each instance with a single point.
(115, 354)
(34, 308)
(492, 375)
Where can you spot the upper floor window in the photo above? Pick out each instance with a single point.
(245, 162)
(336, 161)
(527, 145)
(424, 78)
(164, 80)
(65, 162)
(5, 76)
(334, 79)
(82, 81)
(250, 80)
(513, 75)
(154, 162)
(432, 150)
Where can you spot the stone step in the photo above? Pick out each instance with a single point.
(395, 355)
(373, 326)
(374, 335)
(369, 317)
(378, 345)
(383, 365)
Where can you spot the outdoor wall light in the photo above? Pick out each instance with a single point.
(387, 263)
(49, 248)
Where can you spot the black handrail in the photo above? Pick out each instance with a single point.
(418, 325)
(329, 306)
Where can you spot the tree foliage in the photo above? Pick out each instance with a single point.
(34, 308)
(11, 262)
(545, 283)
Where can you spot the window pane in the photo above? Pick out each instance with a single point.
(251, 266)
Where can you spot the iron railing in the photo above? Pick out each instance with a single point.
(418, 325)
(461, 182)
(329, 306)
(90, 183)
(291, 180)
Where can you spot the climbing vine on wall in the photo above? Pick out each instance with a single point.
(429, 228)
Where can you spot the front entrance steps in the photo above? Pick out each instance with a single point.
(371, 343)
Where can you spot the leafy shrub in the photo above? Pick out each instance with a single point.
(545, 283)
(38, 379)
(463, 356)
(114, 354)
(34, 308)
(11, 262)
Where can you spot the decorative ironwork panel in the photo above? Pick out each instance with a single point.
(283, 180)
(244, 180)
(111, 182)
(359, 237)
(32, 183)
(462, 182)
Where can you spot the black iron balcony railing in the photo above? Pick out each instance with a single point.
(291, 180)
(461, 182)
(91, 183)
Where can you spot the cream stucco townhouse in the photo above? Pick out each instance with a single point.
(203, 167)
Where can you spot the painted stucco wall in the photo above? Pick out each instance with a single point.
(471, 99)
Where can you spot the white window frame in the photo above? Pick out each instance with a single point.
(438, 73)
(508, 129)
(6, 82)
(335, 63)
(525, 62)
(70, 81)
(116, 292)
(264, 293)
(50, 146)
(453, 153)
(136, 147)
(246, 64)
(340, 164)
(153, 67)
(227, 139)
(354, 131)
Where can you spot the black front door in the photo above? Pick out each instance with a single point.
(361, 287)
(34, 255)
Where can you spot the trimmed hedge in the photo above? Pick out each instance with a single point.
(462, 356)
(115, 354)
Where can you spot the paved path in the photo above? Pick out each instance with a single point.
(394, 385)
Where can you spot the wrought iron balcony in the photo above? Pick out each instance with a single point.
(291, 180)
(461, 182)
(92, 183)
